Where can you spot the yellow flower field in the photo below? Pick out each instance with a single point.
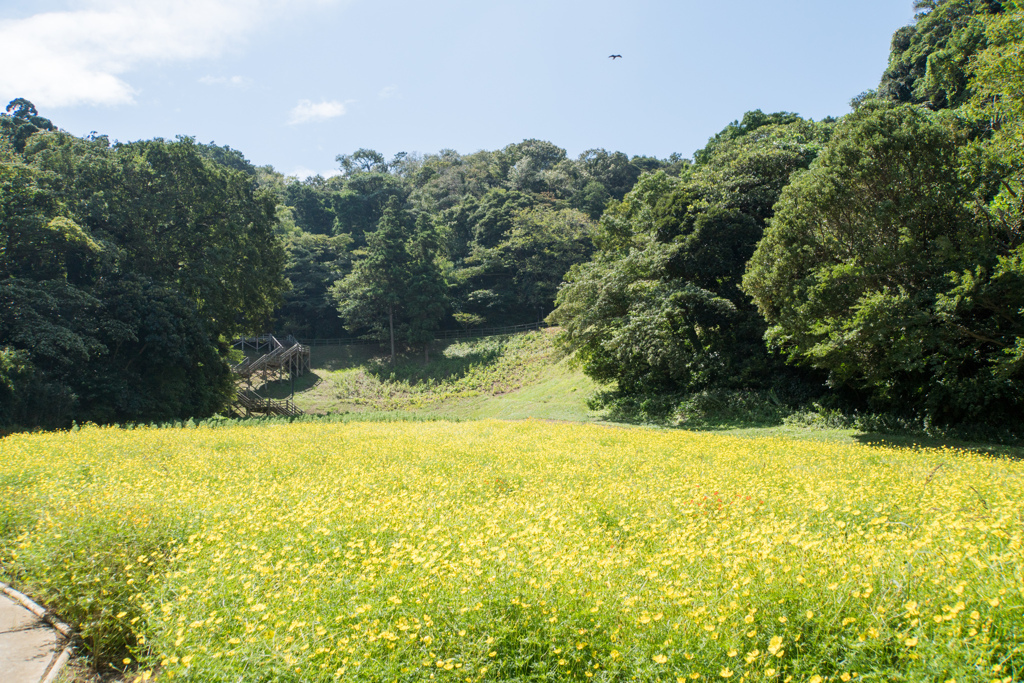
(517, 551)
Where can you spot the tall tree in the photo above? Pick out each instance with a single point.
(929, 62)
(426, 298)
(22, 122)
(315, 263)
(875, 269)
(659, 307)
(122, 270)
(383, 293)
(998, 101)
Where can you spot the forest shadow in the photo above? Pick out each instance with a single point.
(282, 389)
(443, 366)
(334, 358)
(994, 450)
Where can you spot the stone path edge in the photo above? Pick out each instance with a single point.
(59, 660)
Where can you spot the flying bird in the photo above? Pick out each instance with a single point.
(614, 56)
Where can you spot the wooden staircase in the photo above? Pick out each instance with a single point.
(282, 360)
(249, 402)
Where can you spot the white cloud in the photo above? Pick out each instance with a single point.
(82, 56)
(389, 92)
(233, 81)
(307, 111)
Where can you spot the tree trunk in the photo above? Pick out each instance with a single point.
(426, 353)
(391, 325)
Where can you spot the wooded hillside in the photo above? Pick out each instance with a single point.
(873, 262)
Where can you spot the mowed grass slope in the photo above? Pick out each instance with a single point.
(508, 377)
(517, 551)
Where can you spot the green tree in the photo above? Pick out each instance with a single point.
(383, 294)
(522, 166)
(666, 316)
(226, 156)
(315, 263)
(446, 179)
(21, 122)
(751, 121)
(659, 308)
(176, 217)
(122, 270)
(362, 161)
(313, 205)
(37, 239)
(929, 61)
(522, 273)
(876, 270)
(998, 86)
(426, 297)
(359, 203)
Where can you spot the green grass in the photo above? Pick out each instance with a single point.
(561, 394)
(511, 377)
(524, 377)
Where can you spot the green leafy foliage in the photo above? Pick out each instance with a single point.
(517, 279)
(999, 102)
(875, 270)
(930, 60)
(315, 263)
(121, 269)
(175, 217)
(659, 308)
(472, 201)
(395, 291)
(22, 122)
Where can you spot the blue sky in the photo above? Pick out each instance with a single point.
(293, 83)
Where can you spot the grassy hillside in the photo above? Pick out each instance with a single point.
(511, 377)
(517, 551)
(523, 376)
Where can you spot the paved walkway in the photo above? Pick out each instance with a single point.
(29, 647)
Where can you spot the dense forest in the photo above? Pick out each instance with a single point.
(873, 261)
(880, 256)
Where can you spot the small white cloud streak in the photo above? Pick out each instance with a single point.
(82, 56)
(233, 81)
(388, 92)
(307, 111)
